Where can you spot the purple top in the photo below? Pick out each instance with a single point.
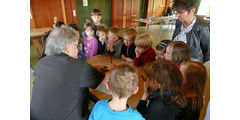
(90, 47)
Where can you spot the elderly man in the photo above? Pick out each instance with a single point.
(61, 83)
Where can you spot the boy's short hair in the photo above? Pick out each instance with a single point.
(102, 28)
(115, 30)
(132, 33)
(163, 45)
(96, 12)
(144, 40)
(87, 24)
(123, 80)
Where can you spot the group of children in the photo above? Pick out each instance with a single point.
(170, 93)
(173, 89)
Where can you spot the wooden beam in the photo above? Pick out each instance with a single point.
(64, 12)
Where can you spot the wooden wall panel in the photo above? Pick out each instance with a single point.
(150, 8)
(44, 12)
(74, 7)
(70, 5)
(32, 22)
(117, 13)
(157, 7)
(135, 12)
(68, 10)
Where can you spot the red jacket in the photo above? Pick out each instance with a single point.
(145, 58)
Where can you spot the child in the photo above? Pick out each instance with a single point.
(161, 49)
(163, 96)
(194, 74)
(128, 48)
(81, 55)
(144, 51)
(96, 16)
(90, 43)
(113, 45)
(102, 33)
(122, 83)
(177, 52)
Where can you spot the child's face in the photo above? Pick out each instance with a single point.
(160, 55)
(127, 40)
(112, 37)
(89, 31)
(168, 54)
(96, 19)
(140, 50)
(102, 36)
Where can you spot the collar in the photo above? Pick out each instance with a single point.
(185, 30)
(60, 54)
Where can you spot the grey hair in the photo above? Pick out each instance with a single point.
(58, 39)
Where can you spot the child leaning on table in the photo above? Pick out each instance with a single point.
(163, 97)
(122, 83)
(90, 43)
(144, 51)
(113, 44)
(128, 48)
(102, 33)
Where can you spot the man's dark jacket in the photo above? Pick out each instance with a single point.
(198, 39)
(60, 90)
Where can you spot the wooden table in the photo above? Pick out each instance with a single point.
(36, 36)
(101, 93)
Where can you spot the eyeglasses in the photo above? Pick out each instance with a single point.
(78, 46)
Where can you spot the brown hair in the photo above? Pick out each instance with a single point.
(132, 33)
(167, 74)
(195, 76)
(102, 28)
(185, 5)
(144, 40)
(115, 30)
(180, 52)
(162, 45)
(87, 24)
(123, 80)
(96, 12)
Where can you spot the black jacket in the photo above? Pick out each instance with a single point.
(159, 108)
(198, 39)
(60, 90)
